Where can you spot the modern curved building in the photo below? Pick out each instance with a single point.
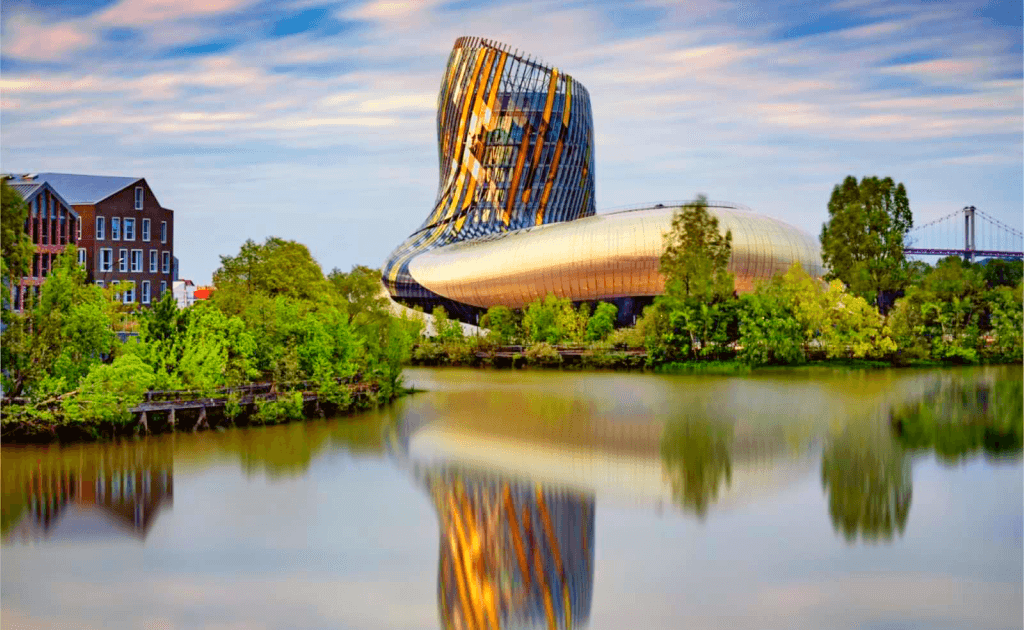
(514, 217)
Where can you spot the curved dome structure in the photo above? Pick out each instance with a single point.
(605, 256)
(514, 216)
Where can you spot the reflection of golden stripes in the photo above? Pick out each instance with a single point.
(460, 577)
(549, 607)
(517, 543)
(549, 530)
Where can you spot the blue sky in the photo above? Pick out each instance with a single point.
(314, 120)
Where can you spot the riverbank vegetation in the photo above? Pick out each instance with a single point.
(874, 308)
(324, 343)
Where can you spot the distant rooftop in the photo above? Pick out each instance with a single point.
(80, 189)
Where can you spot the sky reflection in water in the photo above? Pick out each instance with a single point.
(787, 499)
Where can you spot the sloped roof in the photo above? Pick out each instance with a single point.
(29, 189)
(25, 189)
(86, 189)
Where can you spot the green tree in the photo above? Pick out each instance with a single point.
(1006, 321)
(696, 255)
(862, 242)
(16, 247)
(1003, 273)
(362, 290)
(446, 329)
(542, 319)
(572, 322)
(277, 267)
(110, 391)
(502, 323)
(941, 317)
(769, 329)
(51, 346)
(602, 322)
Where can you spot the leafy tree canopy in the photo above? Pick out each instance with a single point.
(862, 242)
(696, 255)
(361, 288)
(15, 245)
(277, 267)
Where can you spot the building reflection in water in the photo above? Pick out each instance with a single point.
(93, 497)
(512, 554)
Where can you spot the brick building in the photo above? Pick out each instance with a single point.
(126, 235)
(51, 224)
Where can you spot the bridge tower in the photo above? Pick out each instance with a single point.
(969, 233)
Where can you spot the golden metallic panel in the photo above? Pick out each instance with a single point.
(608, 256)
(548, 184)
(467, 101)
(516, 173)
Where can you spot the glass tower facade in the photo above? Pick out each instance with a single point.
(515, 148)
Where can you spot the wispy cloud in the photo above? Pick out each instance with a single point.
(754, 106)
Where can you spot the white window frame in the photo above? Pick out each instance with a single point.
(81, 256)
(129, 222)
(154, 261)
(101, 228)
(122, 260)
(166, 262)
(145, 230)
(163, 231)
(78, 228)
(108, 254)
(129, 293)
(163, 287)
(99, 283)
(145, 292)
(140, 195)
(137, 258)
(115, 228)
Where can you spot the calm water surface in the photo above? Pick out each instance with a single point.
(789, 499)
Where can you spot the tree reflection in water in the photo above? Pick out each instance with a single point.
(696, 459)
(867, 478)
(956, 420)
(512, 555)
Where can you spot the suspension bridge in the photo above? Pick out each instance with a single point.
(961, 233)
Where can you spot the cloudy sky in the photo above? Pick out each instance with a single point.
(314, 120)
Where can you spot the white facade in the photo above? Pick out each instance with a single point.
(184, 293)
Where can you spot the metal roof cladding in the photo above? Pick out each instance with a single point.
(25, 189)
(28, 189)
(86, 189)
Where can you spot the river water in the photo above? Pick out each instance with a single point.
(783, 499)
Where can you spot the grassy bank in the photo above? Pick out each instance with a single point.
(27, 422)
